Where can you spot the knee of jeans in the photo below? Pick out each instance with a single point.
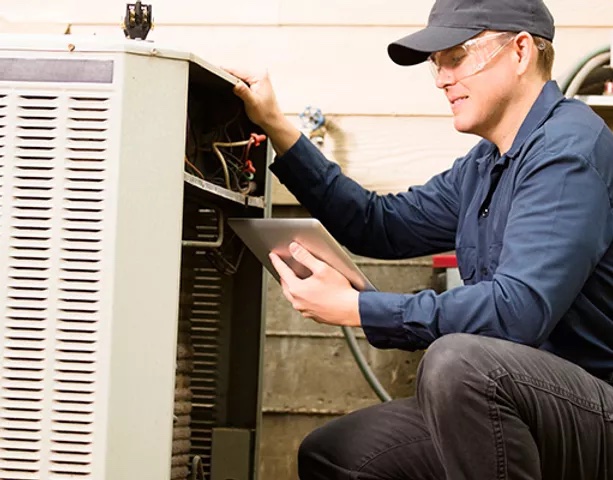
(450, 360)
(309, 451)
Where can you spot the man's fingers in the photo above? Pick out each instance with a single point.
(305, 257)
(242, 91)
(244, 75)
(284, 271)
(286, 292)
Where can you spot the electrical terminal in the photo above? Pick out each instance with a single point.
(138, 20)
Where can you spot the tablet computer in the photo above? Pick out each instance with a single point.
(265, 235)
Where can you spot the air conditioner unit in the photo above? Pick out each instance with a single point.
(131, 319)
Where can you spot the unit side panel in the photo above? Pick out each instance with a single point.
(147, 267)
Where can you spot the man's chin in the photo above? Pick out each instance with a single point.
(462, 126)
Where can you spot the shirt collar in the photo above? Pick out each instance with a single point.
(547, 100)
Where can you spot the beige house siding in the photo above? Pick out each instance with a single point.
(393, 126)
(588, 13)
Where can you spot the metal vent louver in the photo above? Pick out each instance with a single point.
(206, 321)
(204, 290)
(53, 174)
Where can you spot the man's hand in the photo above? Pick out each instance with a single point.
(257, 93)
(326, 296)
(261, 106)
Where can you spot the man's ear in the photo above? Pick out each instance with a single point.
(525, 51)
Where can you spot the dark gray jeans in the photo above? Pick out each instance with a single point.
(485, 409)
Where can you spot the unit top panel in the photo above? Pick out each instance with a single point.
(203, 71)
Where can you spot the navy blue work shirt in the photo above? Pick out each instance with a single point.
(532, 230)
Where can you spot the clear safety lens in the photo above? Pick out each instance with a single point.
(470, 57)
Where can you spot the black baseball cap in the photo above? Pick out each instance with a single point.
(452, 22)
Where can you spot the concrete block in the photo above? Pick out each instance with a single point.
(308, 374)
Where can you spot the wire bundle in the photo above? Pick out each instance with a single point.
(218, 150)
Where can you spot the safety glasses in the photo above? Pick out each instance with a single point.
(470, 57)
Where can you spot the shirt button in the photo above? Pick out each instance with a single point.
(484, 271)
(485, 213)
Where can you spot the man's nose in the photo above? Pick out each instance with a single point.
(444, 78)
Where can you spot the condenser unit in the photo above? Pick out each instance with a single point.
(131, 319)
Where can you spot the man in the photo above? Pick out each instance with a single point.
(515, 383)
